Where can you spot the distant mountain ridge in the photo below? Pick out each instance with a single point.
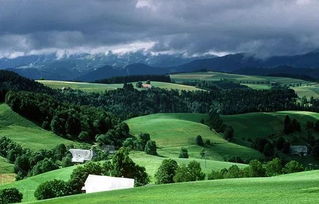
(95, 67)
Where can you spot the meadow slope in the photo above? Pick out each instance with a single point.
(291, 188)
(171, 131)
(301, 87)
(25, 132)
(97, 87)
(151, 163)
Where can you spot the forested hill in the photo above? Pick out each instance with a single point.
(12, 81)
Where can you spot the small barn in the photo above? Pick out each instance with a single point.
(300, 150)
(96, 183)
(81, 155)
(146, 86)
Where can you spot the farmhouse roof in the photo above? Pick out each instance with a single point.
(96, 183)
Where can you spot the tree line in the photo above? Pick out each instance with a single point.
(128, 102)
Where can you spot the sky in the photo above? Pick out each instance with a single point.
(193, 27)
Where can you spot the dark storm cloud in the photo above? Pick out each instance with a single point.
(263, 27)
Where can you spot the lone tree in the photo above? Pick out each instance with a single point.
(166, 171)
(199, 140)
(183, 153)
(229, 133)
(150, 147)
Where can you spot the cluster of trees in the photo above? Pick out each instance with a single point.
(258, 169)
(216, 85)
(121, 165)
(291, 126)
(30, 163)
(10, 195)
(171, 172)
(133, 78)
(142, 143)
(74, 122)
(129, 102)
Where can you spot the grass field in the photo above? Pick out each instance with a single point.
(172, 131)
(95, 87)
(291, 188)
(28, 186)
(6, 171)
(151, 163)
(245, 79)
(301, 87)
(26, 133)
(253, 125)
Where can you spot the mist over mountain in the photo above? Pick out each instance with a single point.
(87, 67)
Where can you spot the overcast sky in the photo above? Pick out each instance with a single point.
(194, 27)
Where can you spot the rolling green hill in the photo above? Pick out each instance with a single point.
(172, 131)
(25, 132)
(254, 125)
(291, 188)
(96, 87)
(28, 185)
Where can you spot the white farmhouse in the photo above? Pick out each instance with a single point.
(95, 183)
(81, 155)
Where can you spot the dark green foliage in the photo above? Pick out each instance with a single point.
(10, 195)
(215, 175)
(291, 126)
(70, 121)
(22, 165)
(315, 151)
(199, 140)
(143, 139)
(256, 169)
(183, 153)
(215, 121)
(139, 84)
(292, 167)
(80, 174)
(229, 133)
(12, 81)
(44, 166)
(52, 189)
(166, 171)
(268, 150)
(123, 165)
(127, 103)
(133, 78)
(273, 167)
(191, 172)
(150, 147)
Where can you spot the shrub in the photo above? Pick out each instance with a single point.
(199, 140)
(80, 174)
(215, 175)
(273, 167)
(256, 169)
(44, 166)
(10, 195)
(52, 189)
(150, 148)
(293, 166)
(166, 171)
(183, 153)
(229, 133)
(191, 172)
